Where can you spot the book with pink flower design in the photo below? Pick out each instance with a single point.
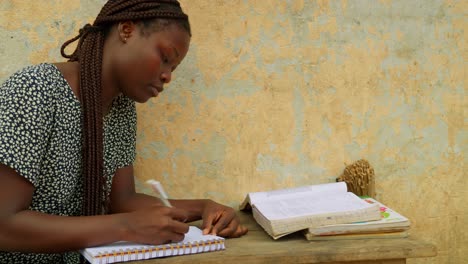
(390, 222)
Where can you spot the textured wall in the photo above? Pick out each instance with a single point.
(283, 93)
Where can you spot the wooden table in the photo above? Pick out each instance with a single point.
(258, 247)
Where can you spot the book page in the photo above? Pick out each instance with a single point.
(336, 187)
(310, 204)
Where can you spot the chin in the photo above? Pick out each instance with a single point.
(141, 100)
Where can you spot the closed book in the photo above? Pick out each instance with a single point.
(390, 221)
(385, 235)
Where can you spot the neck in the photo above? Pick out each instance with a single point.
(109, 89)
(108, 95)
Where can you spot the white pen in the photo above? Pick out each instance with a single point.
(157, 187)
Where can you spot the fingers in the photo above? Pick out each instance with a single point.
(222, 222)
(234, 229)
(173, 237)
(178, 214)
(175, 220)
(227, 225)
(241, 230)
(229, 230)
(208, 223)
(173, 231)
(178, 227)
(159, 225)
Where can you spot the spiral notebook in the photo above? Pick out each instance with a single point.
(193, 243)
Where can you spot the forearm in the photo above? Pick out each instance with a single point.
(134, 202)
(194, 208)
(30, 231)
(139, 201)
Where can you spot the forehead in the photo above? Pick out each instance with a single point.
(170, 34)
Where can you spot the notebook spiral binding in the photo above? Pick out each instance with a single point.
(141, 253)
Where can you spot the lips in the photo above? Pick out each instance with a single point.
(156, 90)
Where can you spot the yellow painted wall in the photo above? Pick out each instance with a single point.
(277, 94)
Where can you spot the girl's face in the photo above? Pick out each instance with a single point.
(145, 62)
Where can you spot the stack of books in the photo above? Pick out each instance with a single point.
(323, 212)
(390, 225)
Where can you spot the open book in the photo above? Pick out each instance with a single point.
(389, 222)
(281, 212)
(194, 242)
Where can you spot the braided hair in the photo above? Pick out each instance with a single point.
(151, 14)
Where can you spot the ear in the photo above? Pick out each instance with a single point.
(126, 29)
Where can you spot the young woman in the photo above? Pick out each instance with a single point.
(67, 141)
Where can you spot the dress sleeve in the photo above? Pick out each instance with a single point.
(26, 115)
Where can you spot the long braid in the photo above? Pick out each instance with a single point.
(89, 53)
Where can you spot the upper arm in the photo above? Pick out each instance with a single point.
(26, 114)
(123, 195)
(15, 192)
(123, 187)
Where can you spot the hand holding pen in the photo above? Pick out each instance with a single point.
(217, 218)
(156, 224)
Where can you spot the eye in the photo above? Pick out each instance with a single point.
(165, 59)
(163, 55)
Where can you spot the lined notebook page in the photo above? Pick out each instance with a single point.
(193, 243)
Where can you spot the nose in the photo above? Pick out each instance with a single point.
(166, 76)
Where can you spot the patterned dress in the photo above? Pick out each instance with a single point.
(40, 138)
